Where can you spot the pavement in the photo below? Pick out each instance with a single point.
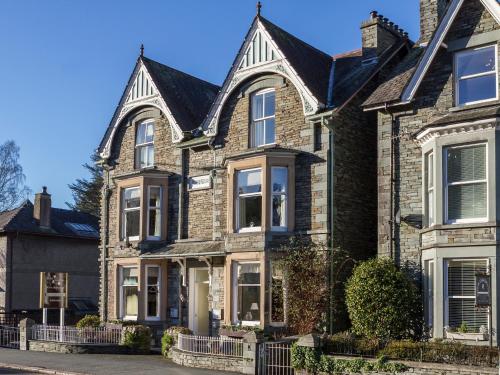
(26, 362)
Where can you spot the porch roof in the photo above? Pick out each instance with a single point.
(187, 249)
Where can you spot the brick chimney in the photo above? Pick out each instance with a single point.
(41, 210)
(377, 34)
(431, 12)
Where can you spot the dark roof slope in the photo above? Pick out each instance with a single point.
(21, 220)
(392, 89)
(312, 65)
(188, 98)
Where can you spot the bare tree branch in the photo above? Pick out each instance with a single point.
(12, 188)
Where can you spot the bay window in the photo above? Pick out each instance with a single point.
(154, 212)
(129, 293)
(262, 125)
(460, 294)
(429, 187)
(249, 200)
(131, 213)
(144, 145)
(153, 292)
(476, 75)
(279, 190)
(466, 183)
(246, 293)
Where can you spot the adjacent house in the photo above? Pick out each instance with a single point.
(37, 238)
(438, 207)
(203, 183)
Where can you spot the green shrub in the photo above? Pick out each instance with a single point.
(167, 342)
(382, 301)
(349, 343)
(89, 321)
(442, 352)
(137, 338)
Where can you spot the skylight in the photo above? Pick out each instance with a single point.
(82, 229)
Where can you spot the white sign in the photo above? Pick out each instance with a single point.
(200, 182)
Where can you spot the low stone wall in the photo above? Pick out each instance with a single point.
(66, 348)
(208, 361)
(445, 369)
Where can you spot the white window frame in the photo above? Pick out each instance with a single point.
(156, 208)
(447, 297)
(158, 295)
(446, 185)
(249, 195)
(457, 79)
(285, 194)
(124, 216)
(151, 163)
(234, 294)
(122, 300)
(254, 120)
(430, 291)
(430, 190)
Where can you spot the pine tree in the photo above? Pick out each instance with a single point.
(87, 192)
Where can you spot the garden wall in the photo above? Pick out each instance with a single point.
(66, 348)
(208, 361)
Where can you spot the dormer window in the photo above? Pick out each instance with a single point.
(476, 75)
(262, 123)
(144, 145)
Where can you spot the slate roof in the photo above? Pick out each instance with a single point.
(392, 89)
(188, 98)
(188, 249)
(312, 65)
(21, 220)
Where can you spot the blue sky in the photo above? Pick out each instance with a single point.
(65, 63)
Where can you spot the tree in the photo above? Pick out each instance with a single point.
(12, 188)
(87, 192)
(383, 302)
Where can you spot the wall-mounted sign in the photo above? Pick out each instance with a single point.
(200, 182)
(483, 290)
(53, 290)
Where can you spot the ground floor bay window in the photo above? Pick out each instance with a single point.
(129, 293)
(153, 292)
(246, 293)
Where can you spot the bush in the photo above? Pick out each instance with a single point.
(382, 301)
(442, 352)
(89, 321)
(349, 343)
(137, 338)
(169, 338)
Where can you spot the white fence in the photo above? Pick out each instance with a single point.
(9, 337)
(73, 335)
(223, 346)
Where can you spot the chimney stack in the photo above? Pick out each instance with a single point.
(378, 34)
(431, 12)
(42, 208)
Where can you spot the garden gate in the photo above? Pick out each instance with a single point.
(275, 358)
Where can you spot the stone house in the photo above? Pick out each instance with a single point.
(38, 238)
(204, 183)
(438, 209)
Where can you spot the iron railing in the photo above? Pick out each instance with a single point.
(9, 319)
(74, 335)
(9, 337)
(220, 345)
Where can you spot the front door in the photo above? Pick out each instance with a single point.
(198, 301)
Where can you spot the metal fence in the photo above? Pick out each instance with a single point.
(9, 337)
(275, 358)
(9, 319)
(223, 346)
(74, 335)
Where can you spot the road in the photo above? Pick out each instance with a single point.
(95, 364)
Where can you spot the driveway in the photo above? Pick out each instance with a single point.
(98, 364)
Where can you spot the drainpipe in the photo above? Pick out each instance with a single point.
(392, 187)
(11, 266)
(213, 174)
(181, 199)
(105, 245)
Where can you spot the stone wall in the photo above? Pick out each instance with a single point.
(65, 348)
(213, 362)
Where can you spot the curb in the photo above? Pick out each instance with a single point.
(39, 370)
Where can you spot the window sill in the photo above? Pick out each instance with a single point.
(466, 107)
(466, 336)
(130, 318)
(459, 226)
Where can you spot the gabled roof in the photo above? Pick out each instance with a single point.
(62, 222)
(402, 86)
(184, 99)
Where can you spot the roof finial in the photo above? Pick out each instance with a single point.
(142, 49)
(259, 7)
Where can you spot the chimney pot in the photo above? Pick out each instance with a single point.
(373, 14)
(42, 208)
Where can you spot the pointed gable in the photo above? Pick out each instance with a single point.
(268, 49)
(182, 98)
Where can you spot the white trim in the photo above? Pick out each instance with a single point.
(457, 79)
(437, 40)
(248, 195)
(156, 208)
(125, 210)
(121, 307)
(234, 293)
(446, 185)
(282, 228)
(192, 303)
(158, 294)
(138, 146)
(455, 129)
(263, 119)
